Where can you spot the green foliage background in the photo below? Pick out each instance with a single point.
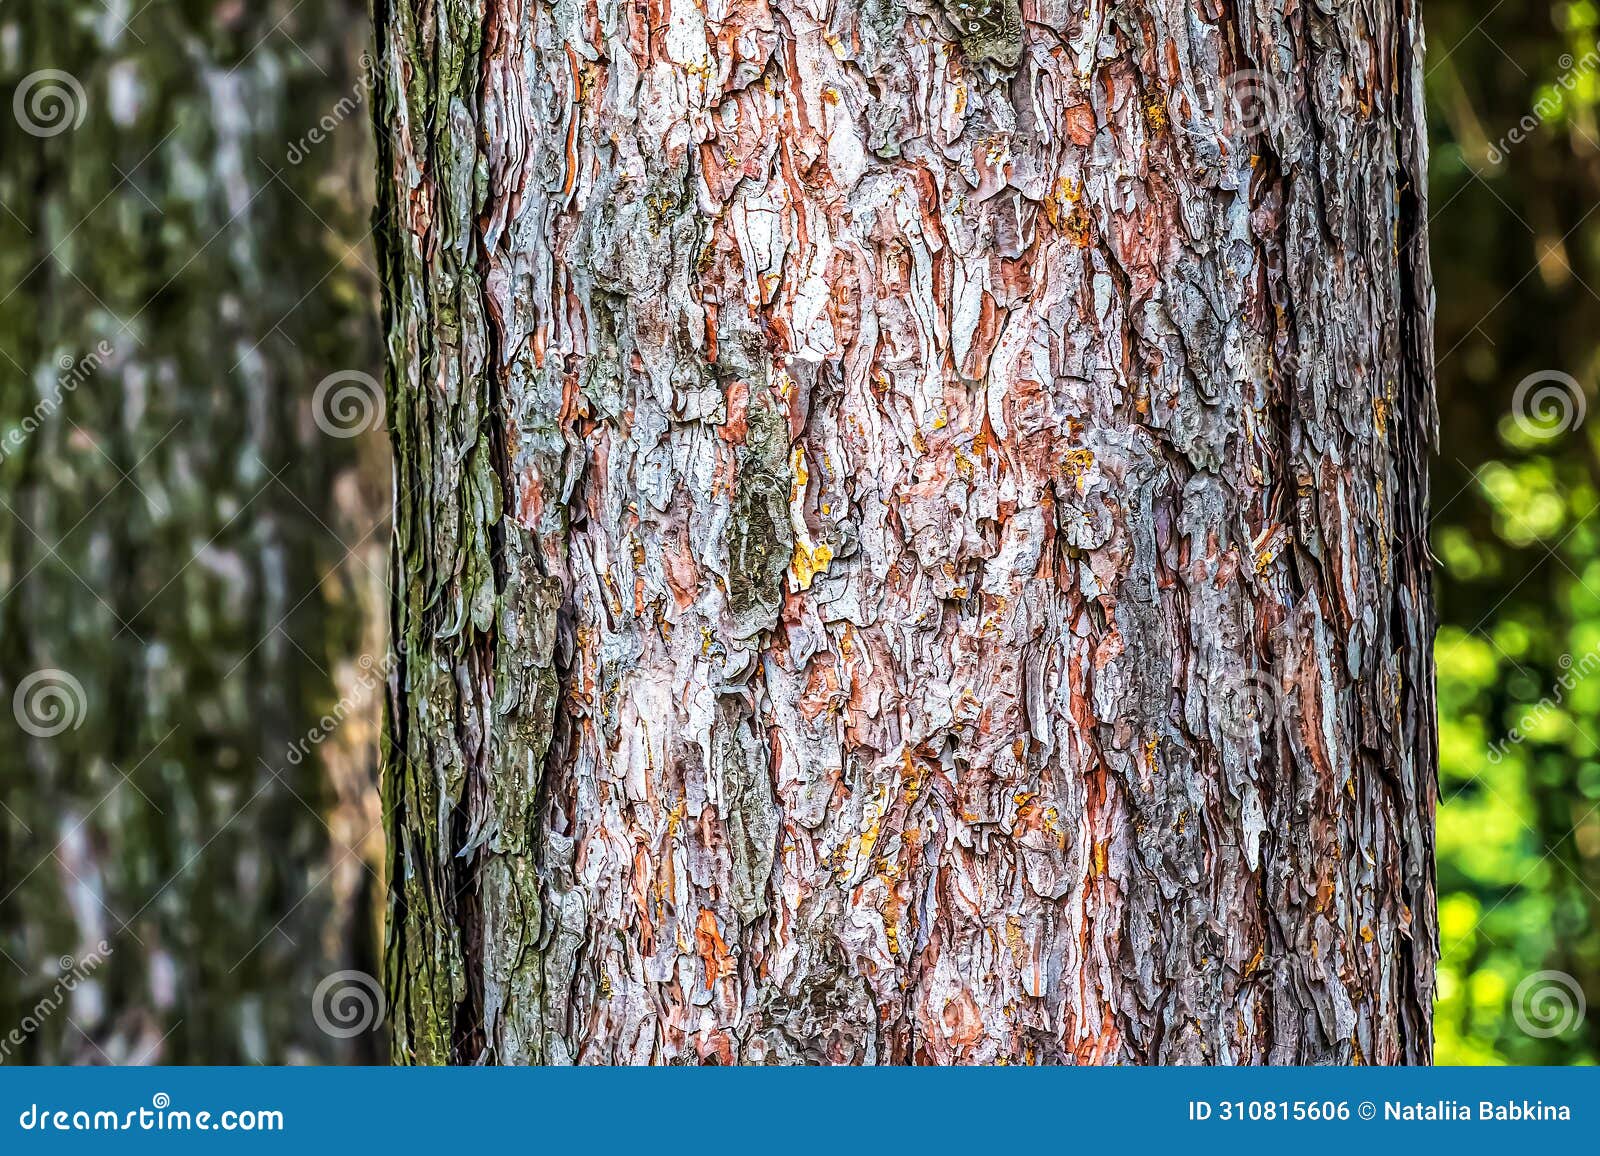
(1514, 92)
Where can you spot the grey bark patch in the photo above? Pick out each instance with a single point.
(989, 30)
(740, 770)
(760, 539)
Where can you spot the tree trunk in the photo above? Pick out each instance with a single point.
(910, 533)
(165, 639)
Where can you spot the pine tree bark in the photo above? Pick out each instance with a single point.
(910, 532)
(172, 286)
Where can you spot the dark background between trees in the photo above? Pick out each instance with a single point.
(209, 563)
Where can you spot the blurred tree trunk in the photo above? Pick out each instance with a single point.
(166, 622)
(910, 533)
